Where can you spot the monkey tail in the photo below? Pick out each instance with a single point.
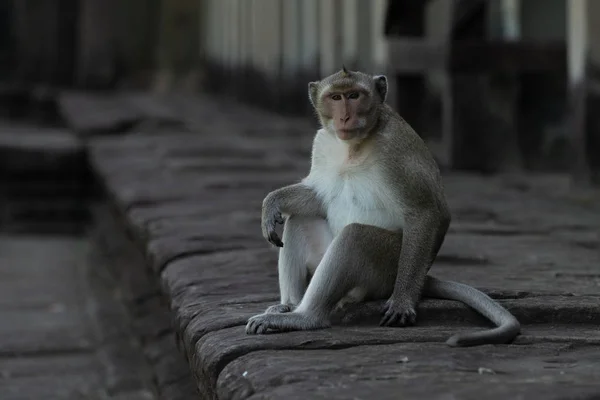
(507, 325)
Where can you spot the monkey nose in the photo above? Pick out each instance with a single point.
(345, 119)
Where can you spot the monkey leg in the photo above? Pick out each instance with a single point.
(362, 259)
(305, 242)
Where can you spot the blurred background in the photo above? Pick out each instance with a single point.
(492, 86)
(505, 87)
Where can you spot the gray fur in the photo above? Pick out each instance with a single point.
(374, 262)
(297, 199)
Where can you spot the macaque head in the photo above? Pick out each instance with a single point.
(348, 102)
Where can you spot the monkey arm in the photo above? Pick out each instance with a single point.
(297, 199)
(422, 238)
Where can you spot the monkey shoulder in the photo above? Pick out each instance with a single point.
(409, 168)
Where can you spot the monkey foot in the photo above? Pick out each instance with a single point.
(398, 315)
(279, 309)
(286, 322)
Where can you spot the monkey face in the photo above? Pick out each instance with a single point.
(348, 111)
(348, 103)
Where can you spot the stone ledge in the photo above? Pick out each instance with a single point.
(120, 266)
(190, 202)
(44, 180)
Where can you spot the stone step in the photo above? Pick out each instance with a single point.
(188, 204)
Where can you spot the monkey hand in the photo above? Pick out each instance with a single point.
(270, 217)
(398, 312)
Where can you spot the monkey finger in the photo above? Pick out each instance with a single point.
(274, 239)
(266, 232)
(389, 319)
(279, 219)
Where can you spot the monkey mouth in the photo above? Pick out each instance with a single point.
(347, 133)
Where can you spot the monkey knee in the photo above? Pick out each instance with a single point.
(355, 242)
(293, 229)
(305, 226)
(353, 231)
(309, 233)
(354, 234)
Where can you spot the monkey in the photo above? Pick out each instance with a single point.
(367, 221)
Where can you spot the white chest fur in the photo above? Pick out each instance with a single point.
(352, 186)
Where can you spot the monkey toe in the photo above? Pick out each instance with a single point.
(260, 324)
(284, 322)
(408, 318)
(398, 316)
(403, 318)
(255, 325)
(261, 329)
(279, 309)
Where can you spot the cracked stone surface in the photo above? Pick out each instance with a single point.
(191, 203)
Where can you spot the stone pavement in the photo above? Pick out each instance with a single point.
(190, 200)
(72, 327)
(52, 343)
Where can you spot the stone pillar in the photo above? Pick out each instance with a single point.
(350, 19)
(330, 47)
(577, 53)
(178, 56)
(44, 39)
(137, 40)
(97, 61)
(293, 84)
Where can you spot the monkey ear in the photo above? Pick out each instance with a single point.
(381, 86)
(313, 88)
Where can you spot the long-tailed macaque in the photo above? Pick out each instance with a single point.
(367, 222)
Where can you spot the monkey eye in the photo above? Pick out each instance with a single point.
(353, 95)
(336, 97)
